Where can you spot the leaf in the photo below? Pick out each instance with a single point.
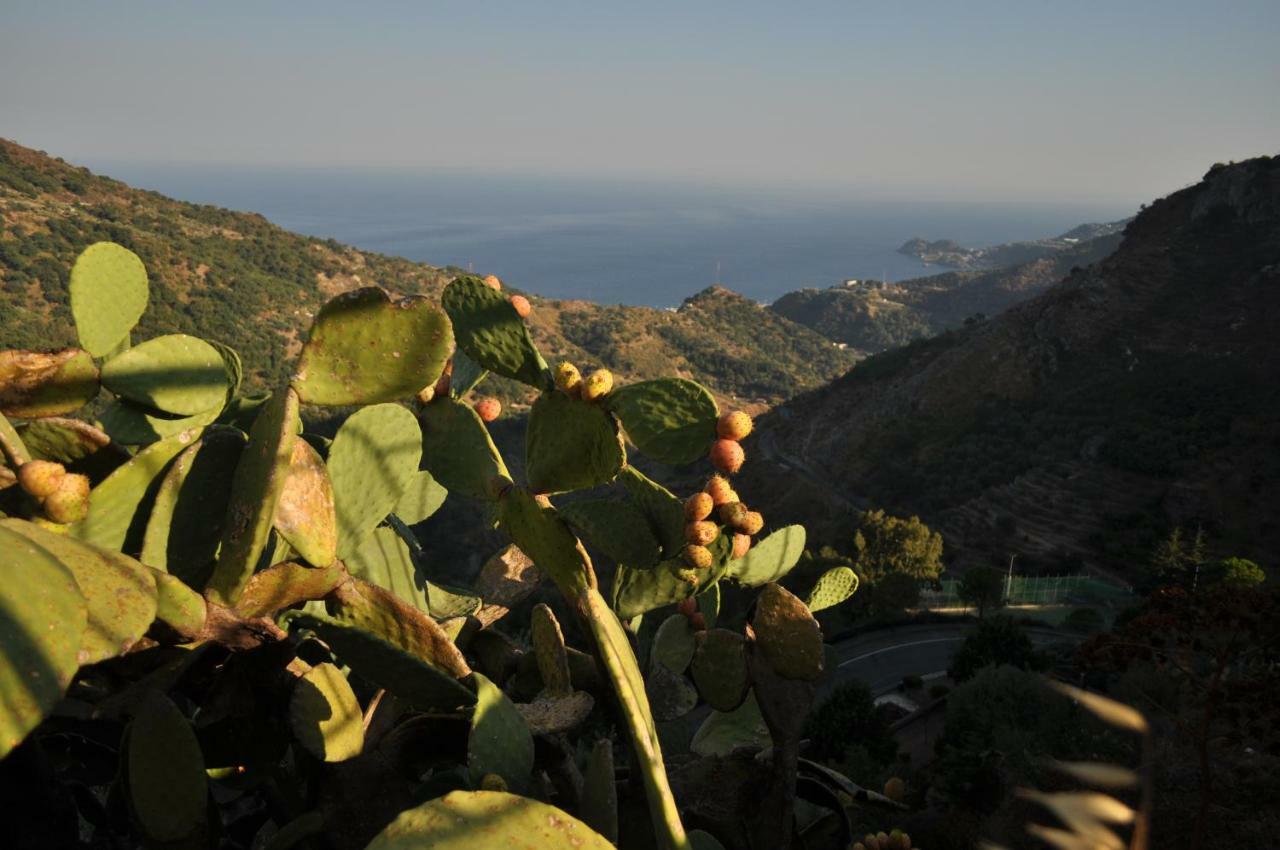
(834, 586)
(35, 384)
(771, 558)
(178, 374)
(672, 420)
(570, 445)
(42, 619)
(366, 347)
(108, 295)
(500, 741)
(673, 645)
(490, 331)
(134, 425)
(373, 457)
(486, 820)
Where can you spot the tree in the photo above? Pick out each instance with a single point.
(982, 587)
(998, 641)
(895, 592)
(888, 544)
(848, 730)
(1240, 572)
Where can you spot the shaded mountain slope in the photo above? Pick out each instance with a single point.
(1137, 393)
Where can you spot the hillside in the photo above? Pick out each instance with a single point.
(946, 252)
(1078, 426)
(874, 317)
(236, 278)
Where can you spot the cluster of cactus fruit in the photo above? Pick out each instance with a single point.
(196, 547)
(896, 840)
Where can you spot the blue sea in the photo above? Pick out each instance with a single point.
(611, 241)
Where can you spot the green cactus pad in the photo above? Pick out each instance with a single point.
(366, 347)
(69, 441)
(834, 586)
(700, 840)
(673, 644)
(382, 613)
(35, 383)
(119, 591)
(724, 731)
(500, 741)
(542, 535)
(570, 445)
(168, 788)
(118, 507)
(407, 676)
(771, 558)
(178, 606)
(638, 591)
(617, 528)
(600, 791)
(490, 331)
(720, 668)
(177, 374)
(325, 715)
(548, 646)
(457, 449)
(373, 457)
(259, 479)
(384, 559)
(234, 367)
(108, 295)
(486, 820)
(467, 374)
(283, 585)
(709, 603)
(671, 419)
(12, 450)
(186, 521)
(787, 634)
(671, 696)
(422, 497)
(132, 425)
(664, 511)
(305, 514)
(548, 715)
(40, 633)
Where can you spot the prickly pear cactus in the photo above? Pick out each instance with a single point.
(374, 456)
(834, 586)
(109, 293)
(491, 332)
(719, 669)
(457, 449)
(305, 514)
(35, 384)
(454, 821)
(177, 374)
(325, 714)
(671, 419)
(500, 741)
(571, 445)
(771, 558)
(615, 527)
(787, 634)
(168, 789)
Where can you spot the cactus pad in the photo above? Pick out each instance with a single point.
(259, 479)
(673, 644)
(500, 741)
(834, 586)
(186, 520)
(422, 497)
(771, 558)
(720, 668)
(600, 791)
(467, 820)
(384, 559)
(543, 536)
(35, 384)
(787, 634)
(367, 347)
(505, 579)
(725, 731)
(618, 529)
(119, 591)
(490, 331)
(548, 646)
(570, 445)
(178, 606)
(118, 505)
(177, 374)
(108, 295)
(373, 457)
(664, 511)
(671, 419)
(305, 514)
(382, 613)
(457, 449)
(69, 441)
(555, 715)
(168, 788)
(40, 635)
(466, 375)
(280, 586)
(670, 694)
(325, 715)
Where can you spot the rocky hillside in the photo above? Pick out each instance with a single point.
(872, 317)
(946, 252)
(1138, 393)
(236, 278)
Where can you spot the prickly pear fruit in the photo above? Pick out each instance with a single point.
(698, 507)
(883, 838)
(597, 385)
(70, 502)
(40, 478)
(719, 490)
(698, 557)
(741, 545)
(727, 456)
(488, 408)
(687, 606)
(732, 514)
(492, 281)
(871, 842)
(733, 426)
(701, 533)
(568, 378)
(858, 845)
(523, 308)
(899, 840)
(492, 781)
(698, 622)
(895, 789)
(752, 522)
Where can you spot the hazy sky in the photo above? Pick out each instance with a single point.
(1062, 101)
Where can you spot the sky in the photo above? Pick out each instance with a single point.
(1075, 102)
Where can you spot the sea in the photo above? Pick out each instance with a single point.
(611, 241)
